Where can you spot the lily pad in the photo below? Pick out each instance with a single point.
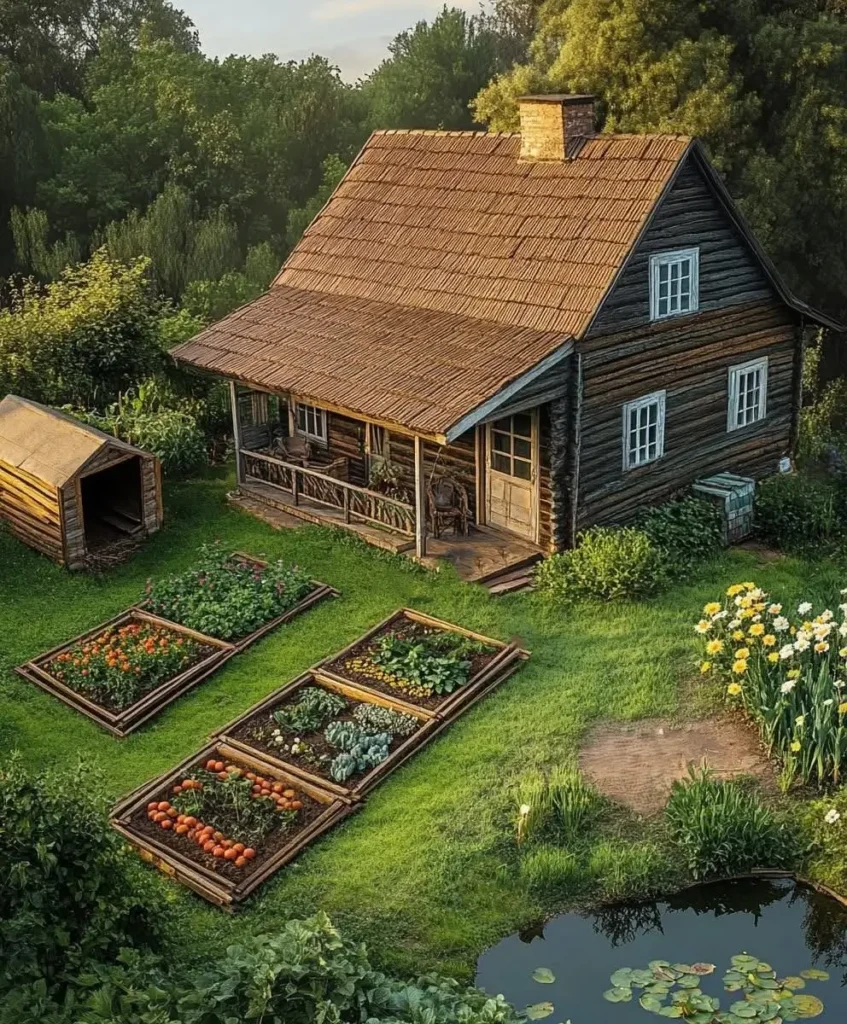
(670, 1011)
(684, 968)
(658, 963)
(813, 974)
(622, 978)
(745, 962)
(665, 973)
(702, 969)
(538, 1011)
(543, 975)
(689, 981)
(793, 982)
(744, 1010)
(618, 995)
(807, 1006)
(651, 1003)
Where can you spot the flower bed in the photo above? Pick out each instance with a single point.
(223, 821)
(788, 670)
(420, 662)
(234, 597)
(124, 671)
(334, 734)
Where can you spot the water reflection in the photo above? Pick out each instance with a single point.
(791, 926)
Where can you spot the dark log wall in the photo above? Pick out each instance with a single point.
(30, 509)
(689, 357)
(690, 215)
(347, 437)
(151, 493)
(457, 460)
(74, 526)
(546, 501)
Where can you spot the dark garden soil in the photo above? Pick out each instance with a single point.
(409, 630)
(256, 731)
(266, 848)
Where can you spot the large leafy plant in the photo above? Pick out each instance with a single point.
(757, 994)
(226, 596)
(430, 663)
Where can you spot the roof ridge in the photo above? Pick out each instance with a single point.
(470, 133)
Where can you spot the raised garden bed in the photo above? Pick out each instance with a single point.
(425, 665)
(255, 817)
(334, 734)
(123, 672)
(235, 597)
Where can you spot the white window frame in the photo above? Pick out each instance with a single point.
(733, 390)
(669, 259)
(319, 435)
(631, 458)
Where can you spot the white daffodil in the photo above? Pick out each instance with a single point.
(702, 627)
(734, 624)
(525, 809)
(804, 608)
(722, 614)
(775, 609)
(801, 720)
(780, 623)
(842, 629)
(757, 618)
(801, 644)
(826, 615)
(788, 686)
(839, 684)
(828, 702)
(832, 816)
(787, 652)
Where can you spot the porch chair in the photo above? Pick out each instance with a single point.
(294, 449)
(447, 505)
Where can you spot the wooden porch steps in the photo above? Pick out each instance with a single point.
(513, 579)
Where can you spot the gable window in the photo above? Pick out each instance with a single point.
(311, 423)
(748, 394)
(644, 430)
(674, 283)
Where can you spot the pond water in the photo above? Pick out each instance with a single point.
(789, 926)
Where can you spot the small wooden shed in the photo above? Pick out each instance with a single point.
(70, 490)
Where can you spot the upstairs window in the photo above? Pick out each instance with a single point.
(644, 430)
(311, 423)
(674, 283)
(748, 394)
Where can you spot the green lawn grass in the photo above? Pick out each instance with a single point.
(426, 871)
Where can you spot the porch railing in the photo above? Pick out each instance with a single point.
(355, 503)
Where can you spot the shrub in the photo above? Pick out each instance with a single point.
(608, 562)
(797, 513)
(65, 897)
(228, 597)
(825, 825)
(304, 974)
(687, 531)
(721, 828)
(786, 675)
(559, 806)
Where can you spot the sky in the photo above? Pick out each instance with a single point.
(353, 34)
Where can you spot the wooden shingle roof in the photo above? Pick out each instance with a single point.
(48, 444)
(442, 270)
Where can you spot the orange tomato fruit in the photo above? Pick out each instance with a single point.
(289, 794)
(230, 854)
(239, 848)
(167, 823)
(209, 846)
(249, 853)
(181, 830)
(163, 805)
(240, 862)
(218, 851)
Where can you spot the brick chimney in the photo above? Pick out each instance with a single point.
(552, 127)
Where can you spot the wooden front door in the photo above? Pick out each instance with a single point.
(512, 474)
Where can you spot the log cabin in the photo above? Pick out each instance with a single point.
(569, 324)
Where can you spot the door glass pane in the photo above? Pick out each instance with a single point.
(502, 442)
(505, 425)
(502, 463)
(523, 448)
(522, 424)
(523, 470)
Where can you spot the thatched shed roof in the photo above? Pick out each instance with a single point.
(48, 444)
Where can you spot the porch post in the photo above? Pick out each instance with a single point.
(420, 499)
(236, 431)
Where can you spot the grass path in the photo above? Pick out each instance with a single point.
(425, 873)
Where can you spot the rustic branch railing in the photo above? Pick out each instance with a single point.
(355, 502)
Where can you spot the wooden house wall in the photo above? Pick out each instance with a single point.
(689, 216)
(547, 509)
(74, 525)
(690, 358)
(347, 437)
(151, 494)
(30, 509)
(457, 460)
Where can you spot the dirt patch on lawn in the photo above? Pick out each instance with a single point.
(635, 763)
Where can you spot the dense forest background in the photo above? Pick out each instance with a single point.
(147, 184)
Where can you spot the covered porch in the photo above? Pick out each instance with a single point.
(480, 502)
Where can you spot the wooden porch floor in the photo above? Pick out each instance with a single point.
(483, 554)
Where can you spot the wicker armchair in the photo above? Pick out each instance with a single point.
(447, 505)
(294, 449)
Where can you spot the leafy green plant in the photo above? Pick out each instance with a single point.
(228, 597)
(756, 993)
(360, 750)
(231, 806)
(721, 828)
(313, 708)
(607, 563)
(797, 513)
(428, 664)
(373, 718)
(686, 531)
(558, 806)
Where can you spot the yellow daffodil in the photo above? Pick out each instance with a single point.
(738, 635)
(796, 745)
(757, 629)
(843, 652)
(743, 653)
(739, 667)
(702, 627)
(749, 586)
(705, 667)
(733, 689)
(821, 647)
(736, 588)
(769, 640)
(714, 646)
(712, 608)
(773, 657)
(794, 673)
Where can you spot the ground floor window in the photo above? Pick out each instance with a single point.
(644, 430)
(311, 422)
(511, 446)
(748, 394)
